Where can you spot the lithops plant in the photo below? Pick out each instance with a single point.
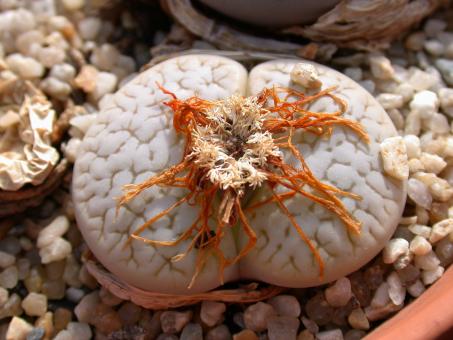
(153, 206)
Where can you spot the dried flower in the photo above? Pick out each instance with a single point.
(234, 146)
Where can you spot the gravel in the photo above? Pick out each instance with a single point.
(77, 57)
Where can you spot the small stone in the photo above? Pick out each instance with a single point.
(257, 315)
(64, 72)
(173, 322)
(73, 5)
(64, 335)
(394, 156)
(6, 259)
(419, 193)
(305, 335)
(57, 228)
(432, 275)
(420, 246)
(62, 317)
(86, 79)
(319, 310)
(33, 282)
(18, 329)
(421, 80)
(445, 67)
(9, 277)
(368, 85)
(310, 325)
(89, 28)
(381, 66)
(440, 230)
(416, 289)
(105, 57)
(51, 55)
(425, 103)
(285, 305)
(434, 26)
(438, 123)
(74, 294)
(108, 298)
(246, 334)
(357, 319)
(84, 311)
(55, 88)
(415, 41)
(105, 83)
(79, 330)
(396, 290)
(354, 334)
(36, 334)
(4, 295)
(381, 295)
(220, 332)
(432, 163)
(12, 307)
(434, 47)
(339, 293)
(282, 327)
(129, 313)
(45, 322)
(415, 165)
(54, 289)
(306, 75)
(444, 251)
(413, 123)
(412, 146)
(25, 67)
(395, 248)
(23, 268)
(71, 148)
(333, 334)
(35, 304)
(192, 331)
(390, 100)
(211, 312)
(438, 187)
(105, 319)
(428, 261)
(446, 101)
(71, 272)
(377, 313)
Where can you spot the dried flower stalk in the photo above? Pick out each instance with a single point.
(233, 146)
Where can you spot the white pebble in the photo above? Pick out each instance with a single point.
(369, 85)
(381, 67)
(441, 229)
(64, 335)
(64, 72)
(394, 249)
(412, 146)
(6, 259)
(445, 66)
(306, 75)
(58, 227)
(397, 292)
(446, 100)
(25, 67)
(425, 103)
(430, 276)
(413, 123)
(35, 304)
(59, 249)
(421, 230)
(51, 55)
(406, 90)
(434, 26)
(79, 330)
(89, 28)
(354, 73)
(434, 47)
(432, 163)
(420, 246)
(105, 83)
(55, 88)
(394, 156)
(70, 149)
(390, 100)
(429, 261)
(421, 80)
(18, 329)
(9, 277)
(415, 165)
(438, 187)
(29, 42)
(333, 334)
(416, 289)
(381, 295)
(105, 57)
(438, 123)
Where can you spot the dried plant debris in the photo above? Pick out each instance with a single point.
(26, 153)
(233, 146)
(346, 25)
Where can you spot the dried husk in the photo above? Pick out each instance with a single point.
(152, 300)
(26, 152)
(363, 25)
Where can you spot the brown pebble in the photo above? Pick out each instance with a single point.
(220, 332)
(84, 311)
(173, 322)
(354, 334)
(339, 293)
(285, 305)
(151, 323)
(105, 319)
(360, 289)
(305, 335)
(62, 317)
(319, 310)
(86, 278)
(129, 313)
(108, 298)
(374, 276)
(358, 320)
(257, 315)
(211, 312)
(46, 322)
(54, 290)
(12, 307)
(246, 334)
(282, 327)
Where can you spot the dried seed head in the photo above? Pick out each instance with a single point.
(233, 147)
